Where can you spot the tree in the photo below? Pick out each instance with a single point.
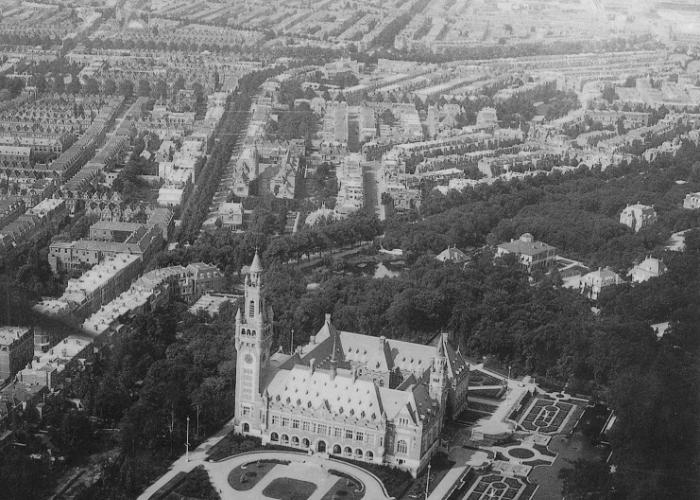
(388, 118)
(144, 88)
(587, 479)
(126, 89)
(160, 90)
(178, 85)
(75, 432)
(609, 93)
(41, 84)
(110, 86)
(74, 85)
(92, 87)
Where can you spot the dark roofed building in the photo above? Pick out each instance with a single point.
(347, 394)
(532, 254)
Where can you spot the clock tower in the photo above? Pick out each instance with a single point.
(253, 343)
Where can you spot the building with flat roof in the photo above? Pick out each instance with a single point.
(85, 295)
(105, 230)
(351, 193)
(47, 369)
(143, 241)
(16, 349)
(211, 303)
(532, 254)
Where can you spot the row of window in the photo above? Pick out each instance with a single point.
(322, 447)
(323, 429)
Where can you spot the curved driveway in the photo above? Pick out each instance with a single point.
(312, 468)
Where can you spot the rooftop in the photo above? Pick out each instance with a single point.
(526, 245)
(9, 334)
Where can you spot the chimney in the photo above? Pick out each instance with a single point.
(312, 364)
(328, 318)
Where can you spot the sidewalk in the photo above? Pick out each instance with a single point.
(464, 458)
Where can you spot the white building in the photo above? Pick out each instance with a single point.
(638, 216)
(648, 268)
(692, 201)
(351, 197)
(592, 284)
(486, 118)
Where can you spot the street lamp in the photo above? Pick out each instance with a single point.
(427, 482)
(187, 441)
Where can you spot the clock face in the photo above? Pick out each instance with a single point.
(248, 358)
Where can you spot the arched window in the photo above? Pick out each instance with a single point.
(305, 443)
(369, 455)
(285, 439)
(251, 309)
(401, 447)
(347, 451)
(358, 453)
(274, 437)
(336, 449)
(295, 441)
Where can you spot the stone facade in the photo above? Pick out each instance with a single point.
(357, 396)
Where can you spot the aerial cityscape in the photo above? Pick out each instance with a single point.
(350, 249)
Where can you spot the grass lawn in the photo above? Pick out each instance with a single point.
(196, 484)
(342, 491)
(521, 453)
(244, 477)
(286, 488)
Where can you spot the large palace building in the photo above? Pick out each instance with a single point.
(357, 396)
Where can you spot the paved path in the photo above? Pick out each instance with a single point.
(197, 457)
(463, 458)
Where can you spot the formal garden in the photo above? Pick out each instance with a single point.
(497, 486)
(546, 415)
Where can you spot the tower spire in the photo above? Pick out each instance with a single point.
(256, 266)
